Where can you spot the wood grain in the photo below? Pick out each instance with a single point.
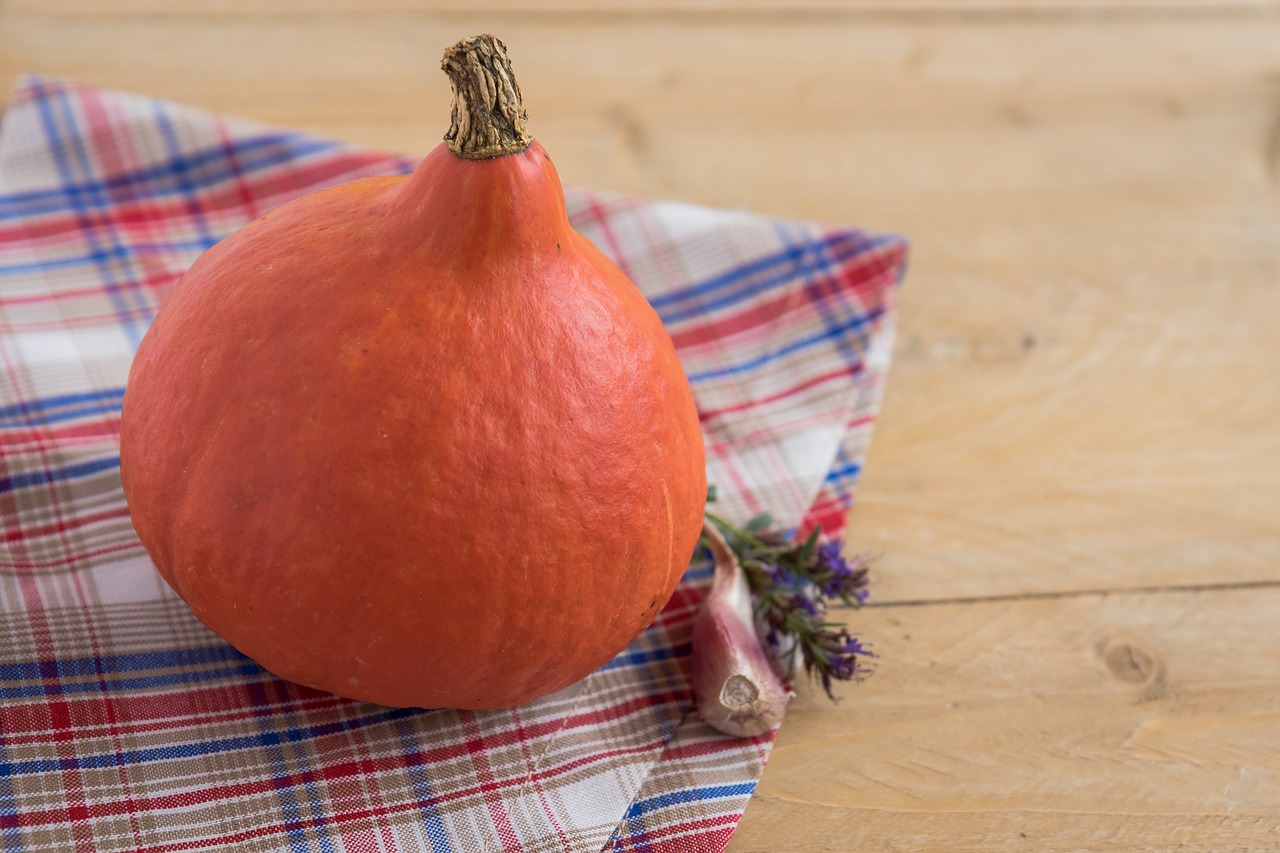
(1117, 722)
(671, 10)
(1074, 490)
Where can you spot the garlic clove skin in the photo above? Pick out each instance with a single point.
(735, 685)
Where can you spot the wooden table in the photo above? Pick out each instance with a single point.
(1075, 484)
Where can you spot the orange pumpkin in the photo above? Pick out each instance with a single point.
(414, 440)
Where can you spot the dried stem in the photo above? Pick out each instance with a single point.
(488, 114)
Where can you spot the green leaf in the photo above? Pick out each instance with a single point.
(806, 550)
(711, 493)
(815, 639)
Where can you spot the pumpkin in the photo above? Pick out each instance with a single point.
(414, 440)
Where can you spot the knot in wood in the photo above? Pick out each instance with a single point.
(1132, 661)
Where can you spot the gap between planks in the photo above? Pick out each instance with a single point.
(1073, 593)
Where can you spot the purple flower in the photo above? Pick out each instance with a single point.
(840, 655)
(842, 580)
(806, 604)
(793, 581)
(781, 575)
(831, 557)
(853, 646)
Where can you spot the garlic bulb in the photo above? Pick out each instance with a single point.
(735, 685)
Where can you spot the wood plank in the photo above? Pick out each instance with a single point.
(1085, 391)
(672, 9)
(1120, 722)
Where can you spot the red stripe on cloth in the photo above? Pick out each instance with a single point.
(534, 779)
(29, 723)
(73, 560)
(241, 186)
(232, 841)
(754, 315)
(738, 481)
(866, 275)
(684, 602)
(65, 295)
(829, 515)
(476, 747)
(29, 439)
(757, 402)
(370, 791)
(872, 275)
(138, 218)
(719, 745)
(713, 834)
(336, 772)
(132, 315)
(18, 533)
(600, 215)
(762, 435)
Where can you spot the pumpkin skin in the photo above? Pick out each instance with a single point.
(416, 441)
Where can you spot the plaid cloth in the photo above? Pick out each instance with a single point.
(126, 725)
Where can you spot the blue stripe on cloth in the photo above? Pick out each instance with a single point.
(700, 567)
(635, 836)
(286, 786)
(44, 410)
(10, 831)
(56, 688)
(67, 175)
(796, 260)
(788, 256)
(853, 324)
(119, 758)
(253, 154)
(749, 283)
(835, 313)
(178, 167)
(120, 664)
(100, 257)
(842, 470)
(641, 656)
(54, 475)
(428, 808)
(640, 808)
(698, 572)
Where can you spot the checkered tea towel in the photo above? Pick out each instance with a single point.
(126, 725)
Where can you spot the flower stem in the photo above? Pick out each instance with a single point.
(792, 582)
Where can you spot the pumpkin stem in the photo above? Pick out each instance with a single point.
(488, 114)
